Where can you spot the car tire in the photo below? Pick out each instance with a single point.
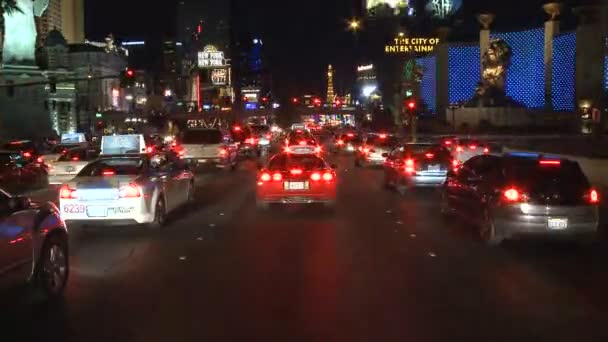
(487, 230)
(160, 214)
(52, 269)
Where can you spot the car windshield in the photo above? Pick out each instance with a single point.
(551, 171)
(286, 162)
(114, 166)
(202, 137)
(298, 139)
(426, 148)
(259, 129)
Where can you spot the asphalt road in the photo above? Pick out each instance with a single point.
(381, 267)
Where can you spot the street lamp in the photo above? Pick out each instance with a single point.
(354, 24)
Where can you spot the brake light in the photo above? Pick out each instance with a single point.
(512, 195)
(149, 149)
(473, 147)
(448, 142)
(550, 162)
(409, 165)
(327, 176)
(429, 155)
(75, 159)
(594, 196)
(350, 135)
(223, 152)
(27, 154)
(382, 136)
(287, 149)
(129, 191)
(366, 150)
(237, 128)
(340, 142)
(173, 144)
(67, 192)
(318, 149)
(459, 149)
(267, 136)
(108, 173)
(296, 172)
(486, 150)
(302, 142)
(277, 177)
(315, 176)
(265, 177)
(181, 152)
(39, 160)
(455, 163)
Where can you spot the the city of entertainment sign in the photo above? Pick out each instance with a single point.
(401, 45)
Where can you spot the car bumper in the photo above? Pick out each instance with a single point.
(217, 162)
(118, 212)
(60, 179)
(297, 199)
(513, 222)
(426, 180)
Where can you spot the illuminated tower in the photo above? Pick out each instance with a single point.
(330, 85)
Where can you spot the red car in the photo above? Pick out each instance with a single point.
(296, 178)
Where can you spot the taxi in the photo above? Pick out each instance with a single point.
(127, 188)
(299, 176)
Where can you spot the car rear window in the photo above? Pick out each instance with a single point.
(211, 136)
(426, 148)
(534, 174)
(285, 162)
(387, 141)
(350, 137)
(257, 129)
(295, 140)
(118, 167)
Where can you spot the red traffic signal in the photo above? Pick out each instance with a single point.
(411, 104)
(130, 72)
(317, 102)
(295, 100)
(264, 99)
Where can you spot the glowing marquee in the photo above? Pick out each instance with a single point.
(211, 57)
(219, 76)
(362, 68)
(407, 45)
(396, 6)
(443, 8)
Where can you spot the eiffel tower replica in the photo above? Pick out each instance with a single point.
(331, 96)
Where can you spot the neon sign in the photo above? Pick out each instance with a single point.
(407, 45)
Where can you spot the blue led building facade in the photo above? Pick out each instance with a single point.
(563, 96)
(526, 76)
(463, 72)
(428, 85)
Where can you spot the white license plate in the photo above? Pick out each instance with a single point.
(93, 211)
(434, 168)
(202, 160)
(295, 185)
(557, 223)
(73, 208)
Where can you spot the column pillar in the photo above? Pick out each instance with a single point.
(553, 9)
(485, 19)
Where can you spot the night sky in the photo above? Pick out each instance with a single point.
(301, 41)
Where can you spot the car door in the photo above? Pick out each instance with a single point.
(180, 178)
(15, 245)
(394, 163)
(474, 189)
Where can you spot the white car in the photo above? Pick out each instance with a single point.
(127, 189)
(69, 164)
(208, 147)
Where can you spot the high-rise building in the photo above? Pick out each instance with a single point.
(72, 20)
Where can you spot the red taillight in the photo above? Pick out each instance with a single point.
(173, 144)
(459, 149)
(409, 165)
(455, 163)
(448, 142)
(473, 147)
(27, 154)
(382, 136)
(365, 150)
(340, 142)
(277, 177)
(39, 160)
(296, 172)
(318, 149)
(129, 191)
(327, 176)
(265, 177)
(594, 196)
(287, 149)
(302, 142)
(486, 150)
(429, 155)
(75, 159)
(268, 136)
(181, 152)
(108, 173)
(550, 162)
(66, 192)
(149, 149)
(237, 128)
(315, 176)
(350, 135)
(511, 195)
(223, 152)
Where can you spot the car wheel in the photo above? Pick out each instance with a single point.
(487, 230)
(52, 269)
(160, 214)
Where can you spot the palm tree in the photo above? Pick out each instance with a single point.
(8, 7)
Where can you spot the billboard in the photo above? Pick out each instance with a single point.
(211, 57)
(219, 76)
(388, 7)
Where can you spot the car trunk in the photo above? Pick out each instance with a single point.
(101, 188)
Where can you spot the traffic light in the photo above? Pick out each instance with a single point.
(317, 102)
(411, 104)
(295, 100)
(127, 78)
(264, 99)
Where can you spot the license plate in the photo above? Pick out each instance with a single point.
(295, 185)
(434, 168)
(557, 223)
(96, 211)
(202, 160)
(73, 208)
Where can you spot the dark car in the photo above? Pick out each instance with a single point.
(33, 245)
(18, 173)
(526, 194)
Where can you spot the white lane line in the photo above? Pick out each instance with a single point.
(182, 258)
(211, 225)
(432, 255)
(413, 236)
